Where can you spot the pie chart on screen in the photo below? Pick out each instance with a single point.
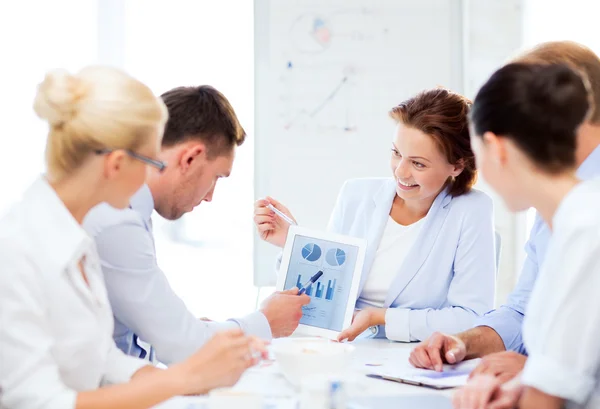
(335, 257)
(311, 252)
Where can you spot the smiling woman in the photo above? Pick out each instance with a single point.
(430, 262)
(436, 121)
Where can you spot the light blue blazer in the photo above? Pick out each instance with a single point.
(448, 278)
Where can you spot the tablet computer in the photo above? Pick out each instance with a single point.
(333, 295)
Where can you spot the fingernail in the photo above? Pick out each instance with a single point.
(451, 355)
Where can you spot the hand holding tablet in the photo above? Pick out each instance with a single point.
(333, 295)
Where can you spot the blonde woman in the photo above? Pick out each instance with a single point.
(56, 346)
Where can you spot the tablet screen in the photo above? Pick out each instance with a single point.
(329, 295)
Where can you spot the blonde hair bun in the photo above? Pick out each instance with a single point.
(58, 97)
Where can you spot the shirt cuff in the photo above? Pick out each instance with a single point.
(255, 324)
(397, 324)
(547, 375)
(507, 324)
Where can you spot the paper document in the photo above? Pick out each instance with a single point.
(452, 376)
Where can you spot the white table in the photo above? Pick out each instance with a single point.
(279, 393)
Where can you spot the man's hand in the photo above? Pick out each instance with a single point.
(503, 365)
(437, 349)
(283, 311)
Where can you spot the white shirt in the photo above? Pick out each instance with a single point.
(562, 323)
(396, 241)
(55, 330)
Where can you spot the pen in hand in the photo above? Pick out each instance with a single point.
(282, 215)
(310, 282)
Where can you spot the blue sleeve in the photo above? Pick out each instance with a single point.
(471, 290)
(143, 300)
(507, 320)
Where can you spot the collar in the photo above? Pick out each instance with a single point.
(590, 168)
(142, 202)
(61, 238)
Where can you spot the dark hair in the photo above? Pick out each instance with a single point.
(201, 113)
(443, 115)
(539, 107)
(575, 55)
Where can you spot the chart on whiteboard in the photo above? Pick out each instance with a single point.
(325, 63)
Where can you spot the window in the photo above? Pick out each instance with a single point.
(34, 42)
(207, 255)
(165, 44)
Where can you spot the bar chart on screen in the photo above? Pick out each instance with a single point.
(330, 289)
(329, 293)
(320, 290)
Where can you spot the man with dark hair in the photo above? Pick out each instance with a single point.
(199, 144)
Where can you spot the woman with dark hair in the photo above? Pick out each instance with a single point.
(430, 261)
(525, 121)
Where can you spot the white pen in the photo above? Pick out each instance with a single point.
(282, 215)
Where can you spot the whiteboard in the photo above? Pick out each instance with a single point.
(327, 73)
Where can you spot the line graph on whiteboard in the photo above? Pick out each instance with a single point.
(318, 66)
(334, 97)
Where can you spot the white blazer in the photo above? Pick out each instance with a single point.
(448, 277)
(55, 330)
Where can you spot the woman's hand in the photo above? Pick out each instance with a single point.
(487, 392)
(503, 365)
(219, 363)
(272, 228)
(362, 320)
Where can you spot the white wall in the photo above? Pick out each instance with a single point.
(35, 36)
(551, 20)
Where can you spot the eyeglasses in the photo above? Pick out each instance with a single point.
(160, 165)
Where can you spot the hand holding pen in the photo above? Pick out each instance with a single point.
(285, 217)
(273, 221)
(310, 282)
